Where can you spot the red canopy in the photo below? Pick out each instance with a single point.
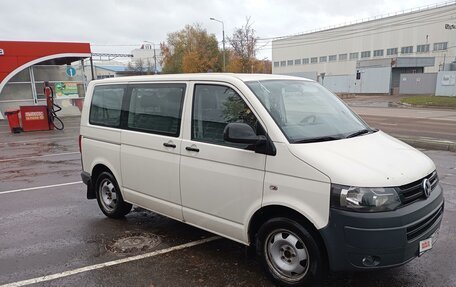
(18, 55)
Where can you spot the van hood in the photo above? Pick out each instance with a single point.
(372, 160)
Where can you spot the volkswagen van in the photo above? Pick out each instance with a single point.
(275, 162)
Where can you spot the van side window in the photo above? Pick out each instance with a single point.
(214, 107)
(106, 105)
(156, 108)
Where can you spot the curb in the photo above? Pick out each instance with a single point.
(428, 143)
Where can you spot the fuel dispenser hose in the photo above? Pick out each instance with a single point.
(52, 113)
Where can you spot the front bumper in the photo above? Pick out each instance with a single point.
(390, 238)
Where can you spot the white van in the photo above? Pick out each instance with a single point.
(272, 161)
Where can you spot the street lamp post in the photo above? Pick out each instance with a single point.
(155, 56)
(223, 41)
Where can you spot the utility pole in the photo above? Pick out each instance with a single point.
(223, 41)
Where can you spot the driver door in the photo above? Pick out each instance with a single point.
(221, 182)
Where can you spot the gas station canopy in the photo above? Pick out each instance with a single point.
(16, 56)
(26, 66)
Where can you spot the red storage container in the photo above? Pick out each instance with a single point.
(13, 120)
(34, 118)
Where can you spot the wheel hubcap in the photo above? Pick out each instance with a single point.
(287, 255)
(108, 195)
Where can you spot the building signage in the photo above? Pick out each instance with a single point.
(66, 90)
(2, 52)
(34, 116)
(450, 26)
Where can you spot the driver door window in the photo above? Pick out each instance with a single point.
(214, 107)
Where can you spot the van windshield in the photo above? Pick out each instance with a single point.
(307, 112)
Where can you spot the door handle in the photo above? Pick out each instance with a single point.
(189, 148)
(169, 145)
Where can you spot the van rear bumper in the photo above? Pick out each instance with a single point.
(87, 180)
(365, 241)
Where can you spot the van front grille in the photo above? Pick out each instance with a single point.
(414, 191)
(424, 225)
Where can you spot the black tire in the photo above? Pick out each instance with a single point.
(281, 243)
(109, 198)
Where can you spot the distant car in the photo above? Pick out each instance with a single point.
(272, 161)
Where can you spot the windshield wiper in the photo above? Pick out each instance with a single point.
(317, 139)
(361, 132)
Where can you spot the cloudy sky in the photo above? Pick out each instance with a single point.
(116, 26)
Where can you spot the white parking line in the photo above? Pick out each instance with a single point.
(39, 187)
(66, 128)
(387, 124)
(40, 139)
(38, 156)
(109, 263)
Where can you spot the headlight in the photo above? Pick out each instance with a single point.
(364, 199)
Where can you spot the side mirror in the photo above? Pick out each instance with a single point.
(242, 133)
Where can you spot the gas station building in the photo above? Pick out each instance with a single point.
(26, 66)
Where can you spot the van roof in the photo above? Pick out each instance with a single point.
(201, 77)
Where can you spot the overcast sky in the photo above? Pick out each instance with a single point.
(116, 26)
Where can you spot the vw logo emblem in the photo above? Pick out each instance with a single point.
(427, 187)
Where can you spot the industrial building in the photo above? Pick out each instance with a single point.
(370, 56)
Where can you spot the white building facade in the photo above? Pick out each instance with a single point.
(424, 33)
(150, 54)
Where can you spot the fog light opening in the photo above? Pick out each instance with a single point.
(371, 261)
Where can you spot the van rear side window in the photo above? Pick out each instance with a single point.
(156, 108)
(106, 106)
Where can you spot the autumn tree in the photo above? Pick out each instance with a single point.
(244, 48)
(191, 50)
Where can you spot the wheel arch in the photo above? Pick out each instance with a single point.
(273, 211)
(99, 167)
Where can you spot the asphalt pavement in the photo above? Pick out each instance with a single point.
(427, 128)
(51, 235)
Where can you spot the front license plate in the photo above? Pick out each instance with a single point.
(427, 244)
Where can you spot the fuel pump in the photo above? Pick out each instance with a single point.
(52, 108)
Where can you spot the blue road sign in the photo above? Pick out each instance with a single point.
(71, 72)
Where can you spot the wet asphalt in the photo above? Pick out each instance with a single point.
(56, 229)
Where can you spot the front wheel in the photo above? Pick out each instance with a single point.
(109, 198)
(289, 253)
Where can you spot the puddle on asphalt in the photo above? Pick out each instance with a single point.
(133, 243)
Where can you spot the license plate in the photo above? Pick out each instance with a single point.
(427, 244)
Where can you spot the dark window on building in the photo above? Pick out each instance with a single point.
(440, 46)
(156, 108)
(422, 48)
(314, 60)
(391, 51)
(283, 63)
(365, 54)
(214, 107)
(342, 57)
(106, 106)
(354, 56)
(323, 59)
(290, 63)
(297, 62)
(407, 50)
(305, 61)
(378, 53)
(276, 64)
(332, 58)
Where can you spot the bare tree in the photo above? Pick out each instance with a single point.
(244, 42)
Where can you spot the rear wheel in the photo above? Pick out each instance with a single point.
(289, 252)
(109, 198)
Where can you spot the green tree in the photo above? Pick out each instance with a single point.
(190, 50)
